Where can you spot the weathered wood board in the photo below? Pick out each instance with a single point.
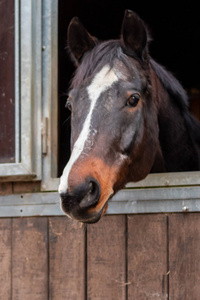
(150, 256)
(66, 259)
(184, 256)
(147, 257)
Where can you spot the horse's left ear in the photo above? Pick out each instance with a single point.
(79, 40)
(134, 34)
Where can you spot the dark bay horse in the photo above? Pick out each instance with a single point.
(129, 117)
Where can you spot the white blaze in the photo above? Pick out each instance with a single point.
(100, 83)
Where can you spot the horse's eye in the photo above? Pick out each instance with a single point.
(133, 100)
(68, 104)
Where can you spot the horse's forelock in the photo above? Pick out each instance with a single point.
(105, 53)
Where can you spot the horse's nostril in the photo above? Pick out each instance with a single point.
(77, 201)
(92, 195)
(92, 187)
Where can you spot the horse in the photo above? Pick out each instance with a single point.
(129, 117)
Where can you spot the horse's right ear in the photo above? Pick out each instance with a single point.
(79, 40)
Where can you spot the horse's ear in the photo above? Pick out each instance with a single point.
(134, 34)
(79, 40)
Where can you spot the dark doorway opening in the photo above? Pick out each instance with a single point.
(176, 45)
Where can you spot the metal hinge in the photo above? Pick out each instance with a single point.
(44, 135)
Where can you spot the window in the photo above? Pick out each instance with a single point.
(21, 90)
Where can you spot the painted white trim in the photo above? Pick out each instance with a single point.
(50, 92)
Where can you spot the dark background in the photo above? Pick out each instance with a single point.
(175, 44)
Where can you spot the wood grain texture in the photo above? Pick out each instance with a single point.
(5, 259)
(26, 187)
(106, 263)
(184, 254)
(5, 188)
(147, 257)
(67, 253)
(29, 259)
(44, 258)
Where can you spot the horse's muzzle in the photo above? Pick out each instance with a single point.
(77, 202)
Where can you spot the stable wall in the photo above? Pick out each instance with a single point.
(148, 256)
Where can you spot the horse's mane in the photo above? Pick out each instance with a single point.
(172, 85)
(179, 96)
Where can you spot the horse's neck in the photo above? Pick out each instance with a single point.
(176, 143)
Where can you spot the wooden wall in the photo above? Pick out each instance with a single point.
(121, 257)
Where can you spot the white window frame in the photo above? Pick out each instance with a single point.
(50, 94)
(27, 164)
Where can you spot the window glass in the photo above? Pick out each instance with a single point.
(7, 83)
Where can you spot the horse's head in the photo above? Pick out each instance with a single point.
(114, 120)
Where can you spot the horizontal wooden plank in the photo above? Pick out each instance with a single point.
(5, 188)
(26, 187)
